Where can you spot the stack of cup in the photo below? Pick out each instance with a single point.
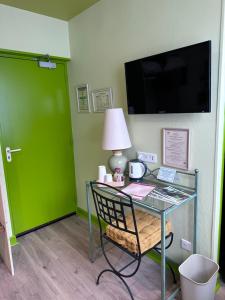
(103, 176)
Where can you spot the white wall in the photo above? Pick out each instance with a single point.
(112, 32)
(30, 32)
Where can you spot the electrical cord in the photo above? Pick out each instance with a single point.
(150, 173)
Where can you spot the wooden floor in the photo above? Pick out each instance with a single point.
(52, 263)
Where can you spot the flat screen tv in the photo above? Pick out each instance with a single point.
(177, 81)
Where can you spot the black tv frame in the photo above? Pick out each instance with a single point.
(174, 51)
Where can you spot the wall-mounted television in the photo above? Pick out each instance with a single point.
(177, 81)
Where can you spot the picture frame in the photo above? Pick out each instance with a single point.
(83, 101)
(102, 99)
(176, 144)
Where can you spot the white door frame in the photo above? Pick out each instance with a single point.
(216, 222)
(5, 247)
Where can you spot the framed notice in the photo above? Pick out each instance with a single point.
(102, 99)
(176, 148)
(83, 103)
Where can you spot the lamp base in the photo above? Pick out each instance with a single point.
(118, 161)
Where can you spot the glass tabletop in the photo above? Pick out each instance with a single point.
(164, 197)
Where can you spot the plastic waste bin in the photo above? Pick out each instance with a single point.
(198, 276)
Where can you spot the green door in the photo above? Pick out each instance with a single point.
(35, 117)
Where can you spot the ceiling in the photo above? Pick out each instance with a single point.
(61, 9)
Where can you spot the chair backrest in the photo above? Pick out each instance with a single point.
(112, 205)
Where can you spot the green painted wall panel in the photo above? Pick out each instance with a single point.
(35, 116)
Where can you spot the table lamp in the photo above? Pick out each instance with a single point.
(116, 138)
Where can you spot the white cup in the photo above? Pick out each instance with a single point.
(101, 173)
(108, 178)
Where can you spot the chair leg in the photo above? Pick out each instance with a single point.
(124, 282)
(173, 274)
(118, 272)
(106, 270)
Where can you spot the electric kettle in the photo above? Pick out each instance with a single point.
(137, 169)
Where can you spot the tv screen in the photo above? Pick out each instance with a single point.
(177, 81)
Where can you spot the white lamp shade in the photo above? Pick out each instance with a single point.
(115, 134)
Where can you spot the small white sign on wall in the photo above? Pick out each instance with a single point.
(82, 94)
(102, 99)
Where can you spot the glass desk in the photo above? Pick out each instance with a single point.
(158, 207)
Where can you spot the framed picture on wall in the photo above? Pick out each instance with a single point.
(176, 143)
(102, 99)
(82, 94)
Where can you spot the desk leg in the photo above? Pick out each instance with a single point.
(195, 225)
(195, 213)
(90, 229)
(163, 256)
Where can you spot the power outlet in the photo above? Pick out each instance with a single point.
(186, 245)
(148, 157)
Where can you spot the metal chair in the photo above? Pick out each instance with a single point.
(112, 207)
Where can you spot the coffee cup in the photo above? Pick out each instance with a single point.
(101, 173)
(108, 178)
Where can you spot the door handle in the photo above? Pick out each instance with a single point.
(8, 151)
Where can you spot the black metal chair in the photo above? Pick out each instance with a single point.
(113, 207)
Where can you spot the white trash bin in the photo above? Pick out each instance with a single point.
(198, 276)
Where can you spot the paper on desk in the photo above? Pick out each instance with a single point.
(169, 194)
(138, 190)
